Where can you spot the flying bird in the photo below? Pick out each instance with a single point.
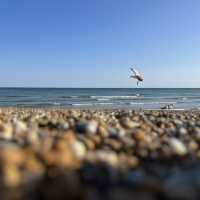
(136, 75)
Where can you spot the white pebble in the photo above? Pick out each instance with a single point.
(20, 127)
(6, 131)
(178, 147)
(79, 149)
(92, 127)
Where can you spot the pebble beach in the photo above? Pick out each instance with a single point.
(94, 154)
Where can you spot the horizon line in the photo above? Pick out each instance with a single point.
(43, 87)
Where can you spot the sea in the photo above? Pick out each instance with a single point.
(132, 98)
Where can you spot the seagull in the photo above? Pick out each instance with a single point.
(136, 76)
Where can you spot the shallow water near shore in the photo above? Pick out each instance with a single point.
(133, 98)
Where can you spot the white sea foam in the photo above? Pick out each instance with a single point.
(106, 104)
(56, 104)
(92, 104)
(114, 97)
(136, 103)
(81, 104)
(103, 99)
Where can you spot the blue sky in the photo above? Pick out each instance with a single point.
(92, 43)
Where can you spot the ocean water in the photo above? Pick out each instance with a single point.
(145, 98)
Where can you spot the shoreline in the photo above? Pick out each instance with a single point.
(92, 154)
(96, 108)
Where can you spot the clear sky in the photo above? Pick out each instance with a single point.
(92, 43)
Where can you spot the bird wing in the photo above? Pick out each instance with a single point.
(135, 72)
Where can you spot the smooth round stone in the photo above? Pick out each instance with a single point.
(183, 131)
(192, 123)
(87, 127)
(103, 156)
(20, 127)
(64, 126)
(140, 135)
(127, 123)
(79, 149)
(103, 131)
(178, 147)
(108, 157)
(114, 133)
(178, 122)
(193, 146)
(92, 127)
(6, 131)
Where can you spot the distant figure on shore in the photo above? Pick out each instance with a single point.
(168, 107)
(136, 75)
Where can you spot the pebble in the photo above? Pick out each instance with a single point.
(102, 156)
(139, 135)
(177, 122)
(64, 126)
(182, 131)
(12, 177)
(87, 127)
(19, 127)
(79, 149)
(6, 131)
(103, 131)
(177, 146)
(193, 146)
(127, 123)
